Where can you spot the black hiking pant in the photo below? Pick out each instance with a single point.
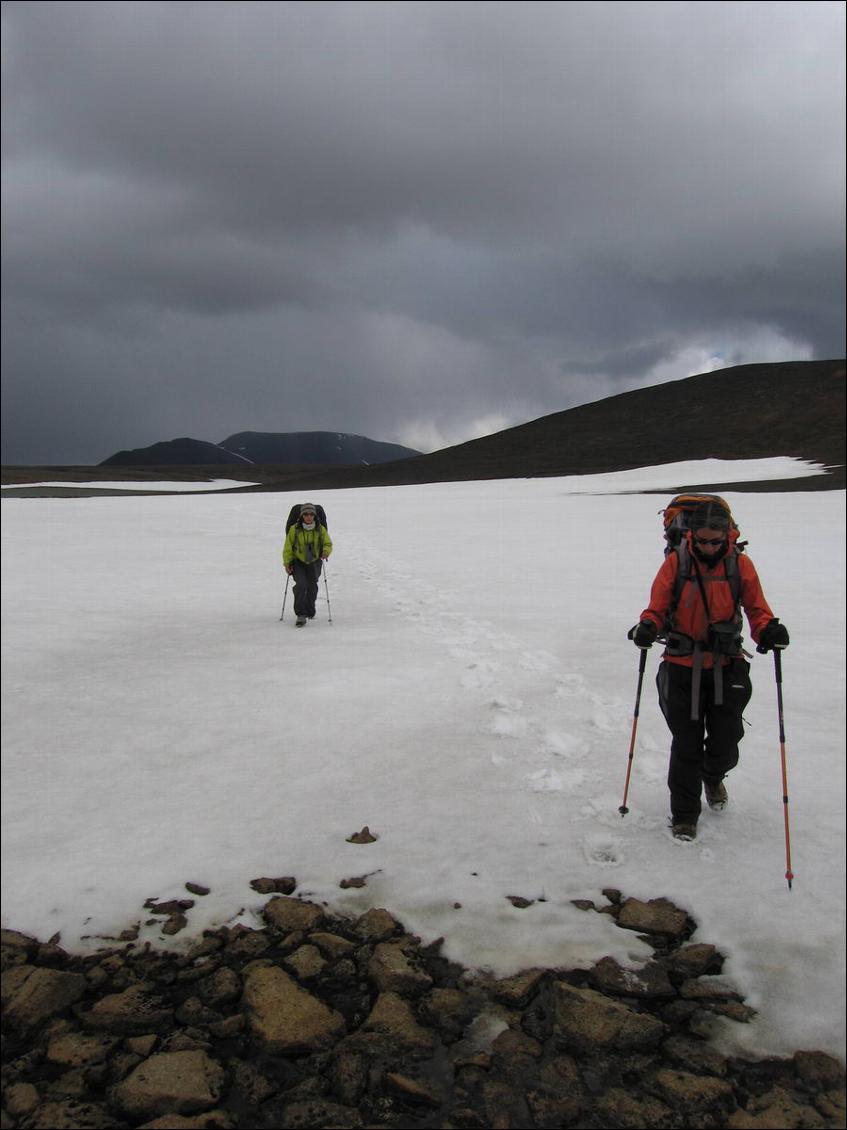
(306, 577)
(705, 748)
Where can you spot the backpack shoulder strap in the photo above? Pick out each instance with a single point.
(683, 573)
(733, 575)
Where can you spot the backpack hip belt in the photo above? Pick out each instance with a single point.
(678, 645)
(724, 640)
(700, 650)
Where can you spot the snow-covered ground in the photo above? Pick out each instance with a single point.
(471, 702)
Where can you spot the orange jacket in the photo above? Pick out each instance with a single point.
(690, 616)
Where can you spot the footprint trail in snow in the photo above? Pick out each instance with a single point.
(531, 711)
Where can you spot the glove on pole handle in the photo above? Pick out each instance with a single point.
(777, 665)
(642, 663)
(285, 594)
(326, 590)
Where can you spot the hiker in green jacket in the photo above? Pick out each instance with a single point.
(307, 545)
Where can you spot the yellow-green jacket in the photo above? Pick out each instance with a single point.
(306, 545)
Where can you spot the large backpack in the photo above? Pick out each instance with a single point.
(294, 520)
(725, 637)
(294, 516)
(676, 517)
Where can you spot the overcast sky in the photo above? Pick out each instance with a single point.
(419, 222)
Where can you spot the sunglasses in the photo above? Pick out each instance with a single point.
(709, 541)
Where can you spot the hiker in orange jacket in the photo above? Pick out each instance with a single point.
(704, 678)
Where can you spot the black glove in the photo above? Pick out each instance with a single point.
(774, 635)
(644, 634)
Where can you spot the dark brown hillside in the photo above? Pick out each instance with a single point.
(751, 411)
(795, 408)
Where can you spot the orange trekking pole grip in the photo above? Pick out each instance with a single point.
(642, 663)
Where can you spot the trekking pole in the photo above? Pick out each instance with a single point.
(326, 589)
(285, 594)
(777, 664)
(642, 663)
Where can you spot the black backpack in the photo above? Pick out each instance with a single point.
(294, 520)
(294, 516)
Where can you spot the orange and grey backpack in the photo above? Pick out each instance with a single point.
(725, 638)
(676, 517)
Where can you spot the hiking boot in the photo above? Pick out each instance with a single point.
(684, 831)
(716, 797)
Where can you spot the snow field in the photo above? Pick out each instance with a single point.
(471, 702)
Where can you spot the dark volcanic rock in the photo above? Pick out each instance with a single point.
(649, 982)
(136, 1011)
(172, 1082)
(331, 1022)
(658, 916)
(288, 914)
(31, 995)
(286, 885)
(283, 1017)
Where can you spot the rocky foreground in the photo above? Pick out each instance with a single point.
(316, 1021)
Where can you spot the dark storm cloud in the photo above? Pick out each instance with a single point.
(415, 221)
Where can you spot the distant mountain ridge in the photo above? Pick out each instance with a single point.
(184, 452)
(329, 449)
(794, 408)
(303, 449)
(791, 408)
